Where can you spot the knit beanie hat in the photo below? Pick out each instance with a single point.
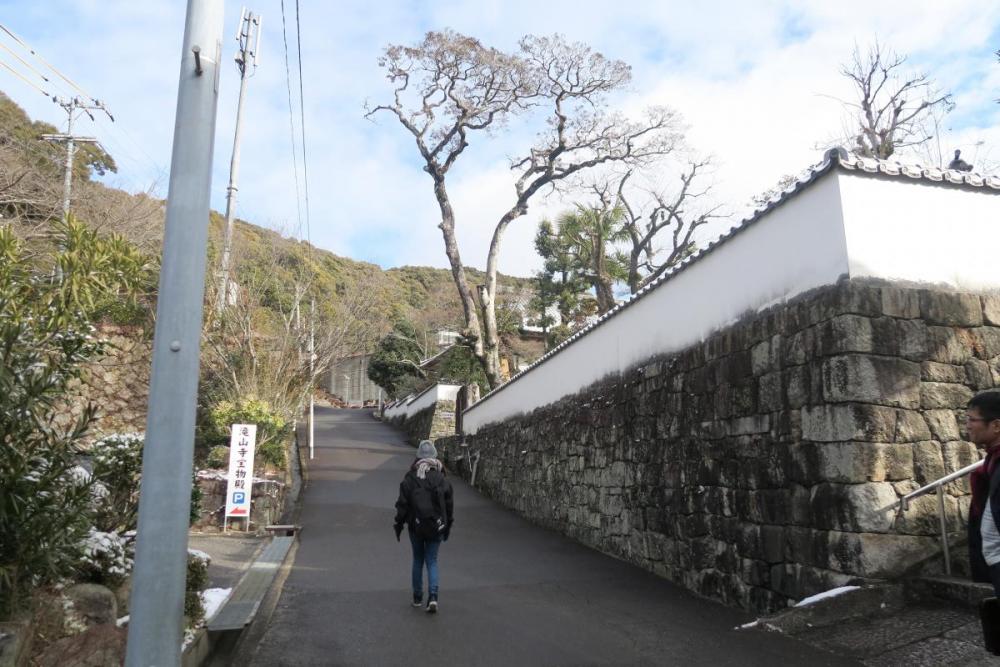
(426, 450)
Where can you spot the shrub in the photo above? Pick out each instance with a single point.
(118, 467)
(273, 428)
(47, 305)
(107, 558)
(272, 454)
(218, 457)
(195, 512)
(197, 579)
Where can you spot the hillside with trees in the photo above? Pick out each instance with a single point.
(31, 173)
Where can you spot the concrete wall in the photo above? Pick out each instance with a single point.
(762, 464)
(348, 380)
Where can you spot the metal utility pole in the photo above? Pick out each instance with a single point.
(247, 34)
(72, 106)
(157, 600)
(312, 366)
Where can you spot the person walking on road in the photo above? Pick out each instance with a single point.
(426, 506)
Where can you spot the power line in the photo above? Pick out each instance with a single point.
(24, 62)
(45, 62)
(118, 135)
(302, 120)
(305, 176)
(291, 120)
(23, 78)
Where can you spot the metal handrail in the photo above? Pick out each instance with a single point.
(904, 504)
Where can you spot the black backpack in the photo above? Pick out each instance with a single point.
(429, 515)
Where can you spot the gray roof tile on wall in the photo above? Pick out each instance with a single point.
(832, 159)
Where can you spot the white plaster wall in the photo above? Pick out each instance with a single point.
(917, 231)
(395, 411)
(440, 392)
(796, 247)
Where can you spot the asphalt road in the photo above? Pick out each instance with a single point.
(511, 592)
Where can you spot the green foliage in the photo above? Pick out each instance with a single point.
(195, 582)
(460, 366)
(45, 337)
(107, 558)
(118, 468)
(218, 457)
(273, 428)
(196, 497)
(396, 358)
(589, 237)
(561, 282)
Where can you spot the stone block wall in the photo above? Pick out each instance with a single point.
(763, 465)
(433, 422)
(268, 500)
(118, 384)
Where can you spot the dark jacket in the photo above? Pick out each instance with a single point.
(980, 481)
(405, 512)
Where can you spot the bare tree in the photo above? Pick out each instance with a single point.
(450, 86)
(661, 223)
(261, 351)
(891, 109)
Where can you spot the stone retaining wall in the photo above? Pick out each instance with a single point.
(267, 503)
(117, 384)
(431, 423)
(762, 466)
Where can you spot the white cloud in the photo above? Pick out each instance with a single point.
(749, 79)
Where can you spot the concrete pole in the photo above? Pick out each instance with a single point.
(244, 60)
(157, 600)
(70, 152)
(312, 365)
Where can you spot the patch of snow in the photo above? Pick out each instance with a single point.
(833, 592)
(212, 599)
(123, 621)
(747, 626)
(78, 475)
(200, 555)
(189, 634)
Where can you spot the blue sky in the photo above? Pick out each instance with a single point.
(750, 79)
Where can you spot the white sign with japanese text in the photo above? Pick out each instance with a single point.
(241, 446)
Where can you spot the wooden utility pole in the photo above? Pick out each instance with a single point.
(247, 59)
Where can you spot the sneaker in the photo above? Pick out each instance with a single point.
(432, 604)
(418, 600)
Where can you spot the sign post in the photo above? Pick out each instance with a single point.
(239, 486)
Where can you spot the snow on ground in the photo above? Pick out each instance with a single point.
(123, 621)
(804, 602)
(200, 555)
(833, 592)
(212, 600)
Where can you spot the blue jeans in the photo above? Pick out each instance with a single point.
(424, 551)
